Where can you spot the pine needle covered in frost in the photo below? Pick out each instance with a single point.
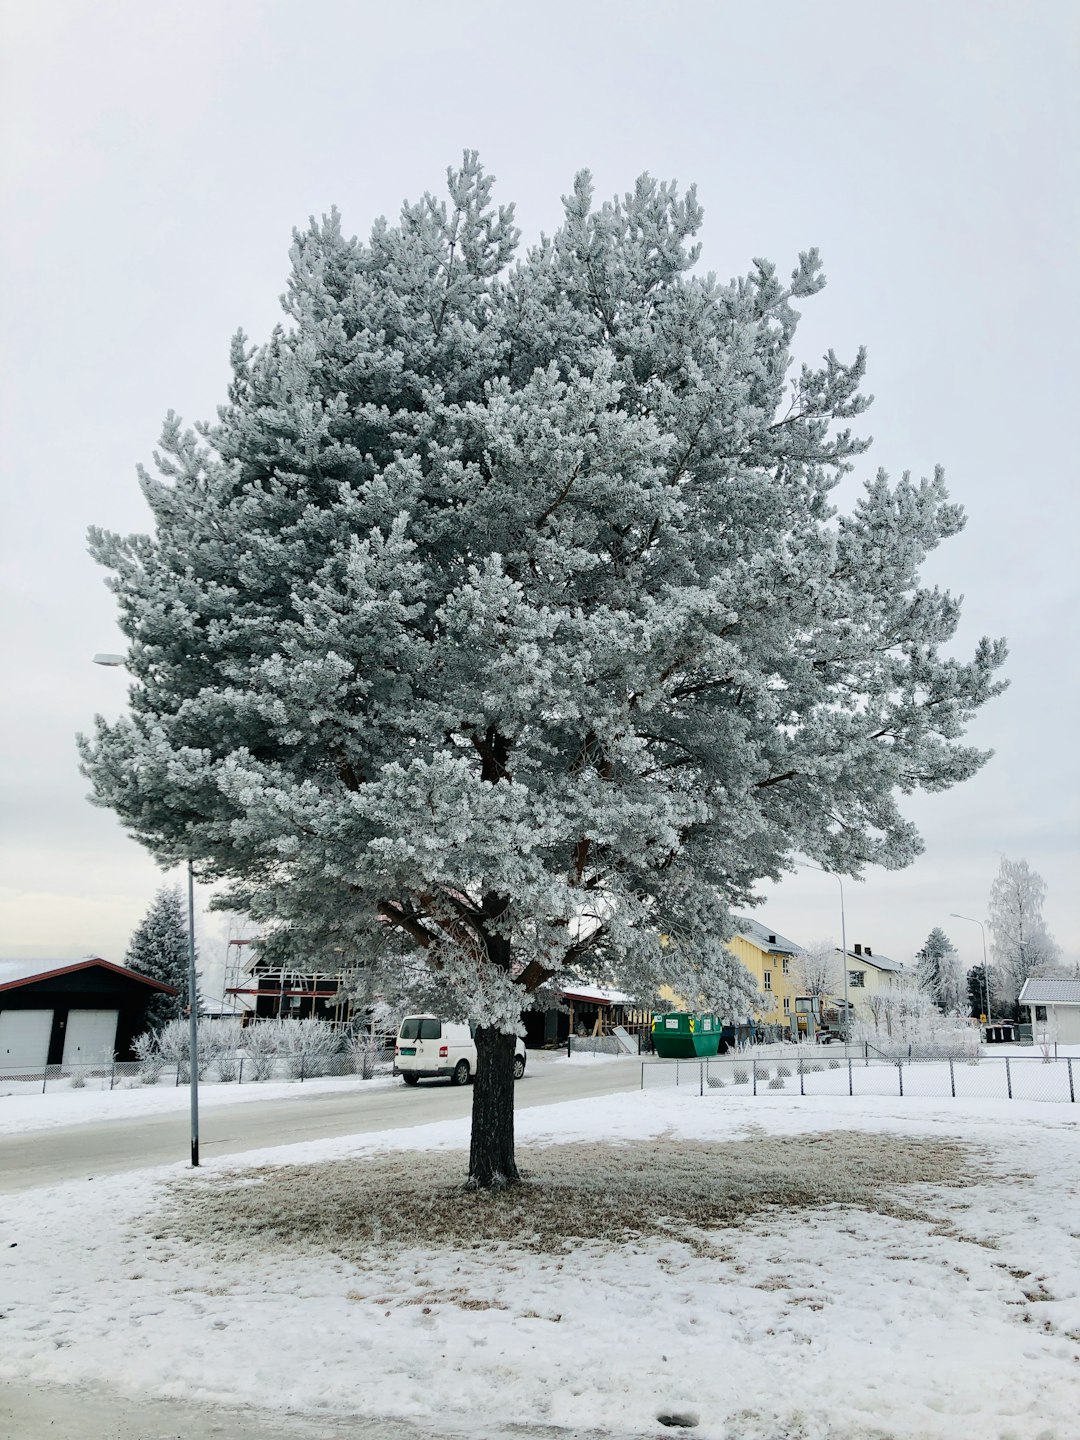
(571, 1193)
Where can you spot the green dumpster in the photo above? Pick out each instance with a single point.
(678, 1035)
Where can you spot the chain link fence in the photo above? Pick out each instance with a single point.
(221, 1070)
(985, 1078)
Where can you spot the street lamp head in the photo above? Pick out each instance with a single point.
(113, 661)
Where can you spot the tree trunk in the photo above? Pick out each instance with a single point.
(491, 1153)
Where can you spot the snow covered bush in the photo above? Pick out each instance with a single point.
(224, 1040)
(363, 1050)
(174, 1044)
(151, 1061)
(741, 1076)
(777, 1082)
(262, 1046)
(310, 1047)
(906, 1023)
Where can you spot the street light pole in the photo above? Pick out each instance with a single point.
(986, 964)
(115, 662)
(193, 1017)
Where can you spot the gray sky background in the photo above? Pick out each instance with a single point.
(156, 157)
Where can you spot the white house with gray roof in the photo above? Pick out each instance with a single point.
(1054, 1009)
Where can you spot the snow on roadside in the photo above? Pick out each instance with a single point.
(831, 1323)
(20, 1114)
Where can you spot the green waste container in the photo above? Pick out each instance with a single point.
(678, 1035)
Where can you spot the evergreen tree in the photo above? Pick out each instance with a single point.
(503, 614)
(159, 949)
(939, 973)
(1021, 945)
(977, 992)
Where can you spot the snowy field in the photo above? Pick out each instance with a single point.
(818, 1324)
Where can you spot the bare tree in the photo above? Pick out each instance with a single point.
(1022, 945)
(817, 970)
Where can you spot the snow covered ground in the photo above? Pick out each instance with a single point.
(831, 1324)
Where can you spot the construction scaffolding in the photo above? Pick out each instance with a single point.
(257, 989)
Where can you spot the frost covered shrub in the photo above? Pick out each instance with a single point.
(262, 1045)
(907, 1024)
(776, 1083)
(310, 1047)
(225, 1038)
(363, 1051)
(762, 1072)
(835, 1064)
(741, 1076)
(174, 1045)
(783, 1070)
(151, 1060)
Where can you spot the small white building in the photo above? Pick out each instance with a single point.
(1054, 1009)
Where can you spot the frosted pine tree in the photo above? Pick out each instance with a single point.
(940, 975)
(159, 949)
(503, 615)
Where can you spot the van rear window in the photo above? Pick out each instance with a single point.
(430, 1029)
(410, 1028)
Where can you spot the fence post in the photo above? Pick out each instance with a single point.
(1008, 1076)
(240, 1072)
(701, 1078)
(301, 1068)
(676, 1071)
(900, 1074)
(753, 1074)
(112, 1075)
(45, 1078)
(1072, 1092)
(802, 1085)
(850, 1086)
(643, 1075)
(952, 1079)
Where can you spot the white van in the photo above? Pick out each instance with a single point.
(426, 1046)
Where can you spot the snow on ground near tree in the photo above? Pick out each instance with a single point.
(823, 1325)
(24, 1112)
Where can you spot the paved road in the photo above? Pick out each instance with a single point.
(74, 1152)
(62, 1412)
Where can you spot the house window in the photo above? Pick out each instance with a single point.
(857, 978)
(785, 964)
(768, 979)
(1040, 1012)
(787, 1003)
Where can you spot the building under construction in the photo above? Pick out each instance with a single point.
(259, 989)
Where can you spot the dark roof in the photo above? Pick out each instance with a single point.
(765, 939)
(1050, 992)
(16, 973)
(881, 962)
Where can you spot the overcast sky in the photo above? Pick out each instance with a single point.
(156, 157)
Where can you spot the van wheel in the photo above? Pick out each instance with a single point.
(460, 1074)
(410, 1079)
(519, 1066)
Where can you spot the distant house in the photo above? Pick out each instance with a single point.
(584, 1010)
(1054, 1008)
(64, 1012)
(869, 975)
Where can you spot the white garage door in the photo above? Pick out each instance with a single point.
(90, 1037)
(24, 1037)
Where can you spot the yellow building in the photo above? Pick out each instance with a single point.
(772, 960)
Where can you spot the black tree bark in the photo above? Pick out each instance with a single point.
(491, 1153)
